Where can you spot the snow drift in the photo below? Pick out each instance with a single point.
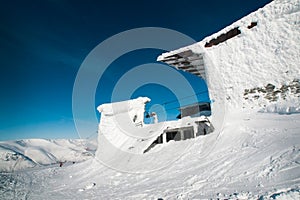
(254, 154)
(123, 136)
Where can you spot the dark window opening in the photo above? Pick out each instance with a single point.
(223, 37)
(134, 118)
(204, 128)
(188, 134)
(195, 110)
(183, 133)
(173, 135)
(252, 25)
(180, 134)
(159, 140)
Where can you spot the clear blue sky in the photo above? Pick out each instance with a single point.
(43, 44)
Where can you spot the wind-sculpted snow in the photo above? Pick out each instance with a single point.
(266, 54)
(257, 156)
(124, 139)
(254, 155)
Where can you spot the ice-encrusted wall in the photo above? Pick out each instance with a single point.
(268, 53)
(120, 118)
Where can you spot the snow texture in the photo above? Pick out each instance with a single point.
(22, 154)
(122, 128)
(253, 154)
(265, 54)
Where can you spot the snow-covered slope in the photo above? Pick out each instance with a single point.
(252, 159)
(253, 155)
(22, 154)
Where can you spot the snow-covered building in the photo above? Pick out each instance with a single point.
(255, 155)
(122, 124)
(249, 66)
(253, 64)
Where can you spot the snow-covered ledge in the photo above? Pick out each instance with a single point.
(267, 53)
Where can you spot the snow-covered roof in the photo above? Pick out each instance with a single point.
(187, 61)
(248, 59)
(118, 127)
(264, 50)
(123, 106)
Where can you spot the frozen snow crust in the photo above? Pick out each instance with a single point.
(255, 154)
(265, 54)
(121, 121)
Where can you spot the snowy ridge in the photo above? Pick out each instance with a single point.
(22, 154)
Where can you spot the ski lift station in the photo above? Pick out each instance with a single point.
(122, 123)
